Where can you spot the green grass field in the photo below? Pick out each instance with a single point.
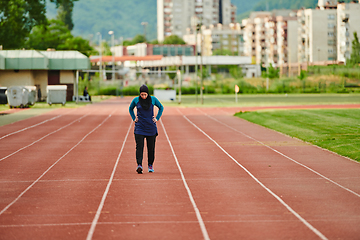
(335, 129)
(248, 100)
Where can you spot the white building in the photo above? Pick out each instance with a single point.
(348, 22)
(287, 39)
(317, 34)
(266, 39)
(219, 38)
(174, 16)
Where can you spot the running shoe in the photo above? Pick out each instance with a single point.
(151, 169)
(139, 169)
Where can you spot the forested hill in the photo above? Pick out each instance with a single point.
(124, 17)
(264, 5)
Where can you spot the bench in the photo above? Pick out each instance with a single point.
(82, 98)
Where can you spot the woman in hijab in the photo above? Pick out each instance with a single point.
(145, 126)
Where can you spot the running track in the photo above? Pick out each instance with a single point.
(70, 174)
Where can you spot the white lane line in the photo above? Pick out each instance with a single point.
(317, 232)
(165, 222)
(198, 215)
(43, 137)
(21, 130)
(37, 180)
(312, 170)
(98, 212)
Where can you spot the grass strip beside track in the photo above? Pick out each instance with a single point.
(337, 130)
(249, 100)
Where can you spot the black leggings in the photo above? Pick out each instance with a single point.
(150, 142)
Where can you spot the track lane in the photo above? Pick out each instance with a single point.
(326, 205)
(234, 206)
(23, 125)
(156, 206)
(339, 170)
(150, 205)
(69, 189)
(16, 143)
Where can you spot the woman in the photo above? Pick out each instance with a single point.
(145, 126)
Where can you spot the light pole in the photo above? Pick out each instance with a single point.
(100, 67)
(144, 24)
(195, 25)
(113, 55)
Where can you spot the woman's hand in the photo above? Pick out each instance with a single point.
(154, 119)
(136, 119)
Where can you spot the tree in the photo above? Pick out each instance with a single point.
(65, 8)
(138, 39)
(56, 35)
(17, 18)
(172, 75)
(154, 41)
(79, 44)
(271, 72)
(236, 71)
(49, 35)
(174, 39)
(223, 52)
(355, 53)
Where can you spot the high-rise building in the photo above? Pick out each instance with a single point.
(174, 16)
(266, 36)
(317, 34)
(348, 19)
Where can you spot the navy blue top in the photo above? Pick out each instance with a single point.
(145, 124)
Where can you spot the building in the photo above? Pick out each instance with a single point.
(348, 19)
(287, 40)
(146, 49)
(218, 39)
(174, 17)
(41, 68)
(317, 34)
(254, 36)
(266, 36)
(188, 63)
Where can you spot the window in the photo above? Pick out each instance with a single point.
(331, 16)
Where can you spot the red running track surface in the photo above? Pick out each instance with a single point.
(70, 174)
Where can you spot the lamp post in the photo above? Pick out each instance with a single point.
(113, 55)
(100, 67)
(144, 24)
(232, 25)
(195, 25)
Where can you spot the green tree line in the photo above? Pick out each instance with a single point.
(23, 24)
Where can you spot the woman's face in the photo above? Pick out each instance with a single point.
(143, 95)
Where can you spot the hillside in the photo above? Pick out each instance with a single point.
(264, 5)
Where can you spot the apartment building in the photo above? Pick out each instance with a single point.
(266, 36)
(348, 19)
(174, 16)
(317, 33)
(254, 36)
(224, 39)
(287, 39)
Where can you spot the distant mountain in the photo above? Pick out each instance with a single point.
(124, 17)
(265, 5)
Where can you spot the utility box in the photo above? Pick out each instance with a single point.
(165, 95)
(3, 98)
(17, 96)
(56, 94)
(32, 96)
